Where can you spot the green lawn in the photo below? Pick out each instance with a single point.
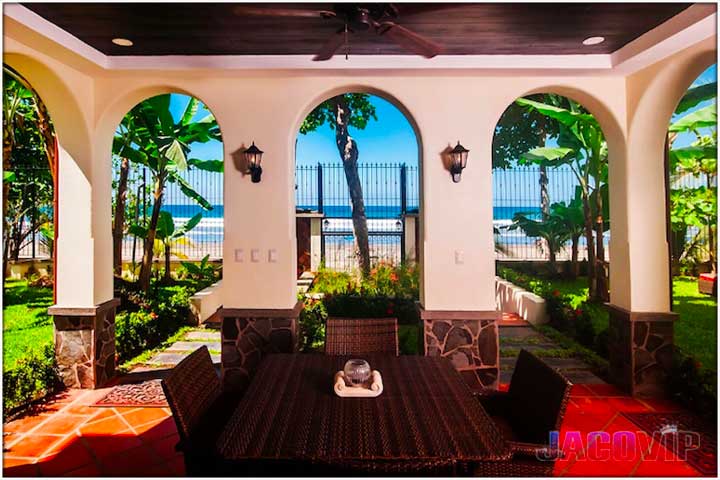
(26, 324)
(696, 329)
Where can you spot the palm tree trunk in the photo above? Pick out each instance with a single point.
(592, 280)
(167, 278)
(544, 194)
(119, 221)
(574, 265)
(146, 267)
(602, 293)
(347, 147)
(7, 152)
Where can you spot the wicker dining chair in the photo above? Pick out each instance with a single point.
(360, 336)
(200, 409)
(533, 406)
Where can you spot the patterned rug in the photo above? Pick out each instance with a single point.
(702, 457)
(144, 394)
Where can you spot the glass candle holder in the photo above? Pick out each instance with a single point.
(357, 371)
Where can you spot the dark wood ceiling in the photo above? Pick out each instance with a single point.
(461, 29)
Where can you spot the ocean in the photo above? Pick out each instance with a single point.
(381, 218)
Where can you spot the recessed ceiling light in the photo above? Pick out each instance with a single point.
(123, 42)
(593, 40)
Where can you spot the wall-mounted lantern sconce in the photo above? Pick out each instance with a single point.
(458, 161)
(253, 157)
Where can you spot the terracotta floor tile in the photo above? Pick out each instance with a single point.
(89, 470)
(108, 445)
(160, 470)
(9, 438)
(24, 424)
(130, 462)
(34, 445)
(661, 462)
(178, 465)
(606, 390)
(101, 414)
(69, 458)
(581, 391)
(143, 416)
(627, 404)
(9, 461)
(165, 448)
(108, 426)
(161, 429)
(22, 470)
(661, 405)
(62, 423)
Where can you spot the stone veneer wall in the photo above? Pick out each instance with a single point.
(470, 340)
(249, 334)
(641, 351)
(85, 344)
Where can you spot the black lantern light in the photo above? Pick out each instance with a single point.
(253, 156)
(458, 156)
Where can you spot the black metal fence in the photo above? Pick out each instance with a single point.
(206, 238)
(30, 213)
(390, 191)
(517, 190)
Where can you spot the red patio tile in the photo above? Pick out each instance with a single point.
(165, 448)
(160, 470)
(20, 470)
(661, 462)
(108, 426)
(143, 416)
(135, 461)
(661, 404)
(579, 390)
(101, 414)
(156, 431)
(627, 404)
(178, 465)
(34, 445)
(107, 445)
(89, 470)
(606, 390)
(62, 423)
(24, 424)
(70, 458)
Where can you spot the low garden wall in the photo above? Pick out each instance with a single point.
(205, 303)
(512, 299)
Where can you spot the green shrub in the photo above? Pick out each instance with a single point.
(145, 320)
(33, 375)
(372, 307)
(312, 325)
(693, 386)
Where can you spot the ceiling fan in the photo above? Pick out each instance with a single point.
(379, 17)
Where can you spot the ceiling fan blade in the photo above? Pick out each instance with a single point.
(268, 11)
(409, 40)
(329, 48)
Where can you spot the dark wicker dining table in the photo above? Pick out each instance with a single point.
(426, 421)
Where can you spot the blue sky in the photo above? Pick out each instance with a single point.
(390, 139)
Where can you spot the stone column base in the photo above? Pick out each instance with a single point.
(641, 350)
(469, 340)
(248, 334)
(85, 344)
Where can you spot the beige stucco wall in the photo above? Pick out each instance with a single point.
(444, 106)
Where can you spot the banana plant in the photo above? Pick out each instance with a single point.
(167, 235)
(697, 206)
(551, 229)
(153, 138)
(581, 146)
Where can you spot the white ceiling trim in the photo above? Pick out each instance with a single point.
(692, 25)
(35, 22)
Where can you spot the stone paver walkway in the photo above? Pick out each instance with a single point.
(515, 336)
(190, 342)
